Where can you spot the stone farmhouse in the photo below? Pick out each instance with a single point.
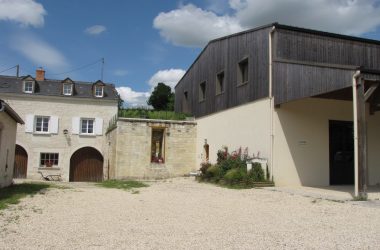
(65, 126)
(8, 126)
(306, 100)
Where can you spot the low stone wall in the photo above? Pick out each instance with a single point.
(131, 146)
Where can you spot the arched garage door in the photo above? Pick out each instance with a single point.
(21, 162)
(86, 164)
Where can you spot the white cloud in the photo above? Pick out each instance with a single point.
(192, 26)
(217, 6)
(39, 52)
(95, 30)
(133, 98)
(25, 12)
(120, 72)
(352, 17)
(168, 76)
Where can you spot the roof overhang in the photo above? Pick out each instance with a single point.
(4, 107)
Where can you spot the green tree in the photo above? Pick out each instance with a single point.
(162, 97)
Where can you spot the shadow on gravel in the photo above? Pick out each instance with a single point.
(13, 194)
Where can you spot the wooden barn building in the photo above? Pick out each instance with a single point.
(306, 100)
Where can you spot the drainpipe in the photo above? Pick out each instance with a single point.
(271, 103)
(356, 136)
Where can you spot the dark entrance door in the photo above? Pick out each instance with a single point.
(86, 164)
(21, 162)
(341, 153)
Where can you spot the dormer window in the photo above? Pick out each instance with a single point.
(98, 91)
(28, 87)
(67, 89)
(67, 86)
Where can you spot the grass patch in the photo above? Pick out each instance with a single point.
(122, 184)
(13, 194)
(360, 198)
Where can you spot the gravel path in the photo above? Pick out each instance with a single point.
(183, 214)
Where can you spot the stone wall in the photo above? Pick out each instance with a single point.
(131, 142)
(8, 128)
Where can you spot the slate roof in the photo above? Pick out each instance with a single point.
(48, 87)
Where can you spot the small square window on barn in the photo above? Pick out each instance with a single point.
(243, 71)
(220, 83)
(158, 145)
(185, 102)
(202, 91)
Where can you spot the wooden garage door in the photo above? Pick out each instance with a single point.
(21, 162)
(86, 164)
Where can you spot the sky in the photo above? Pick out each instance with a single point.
(149, 41)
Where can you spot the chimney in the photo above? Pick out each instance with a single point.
(40, 74)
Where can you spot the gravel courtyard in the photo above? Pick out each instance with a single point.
(183, 214)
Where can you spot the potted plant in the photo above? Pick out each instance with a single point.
(49, 164)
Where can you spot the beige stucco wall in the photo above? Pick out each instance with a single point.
(8, 128)
(243, 126)
(132, 141)
(65, 108)
(301, 144)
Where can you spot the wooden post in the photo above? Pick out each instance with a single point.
(362, 139)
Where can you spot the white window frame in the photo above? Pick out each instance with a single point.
(70, 88)
(42, 124)
(87, 126)
(96, 91)
(51, 157)
(28, 91)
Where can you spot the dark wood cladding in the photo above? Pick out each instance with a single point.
(308, 64)
(225, 55)
(305, 47)
(296, 81)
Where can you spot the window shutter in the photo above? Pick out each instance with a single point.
(98, 126)
(53, 125)
(75, 125)
(29, 123)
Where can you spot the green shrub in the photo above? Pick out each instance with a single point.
(214, 172)
(222, 155)
(234, 176)
(256, 173)
(151, 114)
(232, 163)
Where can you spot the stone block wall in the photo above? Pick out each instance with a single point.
(131, 146)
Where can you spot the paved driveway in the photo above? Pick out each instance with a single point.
(183, 214)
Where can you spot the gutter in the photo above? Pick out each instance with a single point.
(271, 102)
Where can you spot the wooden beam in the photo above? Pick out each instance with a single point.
(362, 139)
(370, 91)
